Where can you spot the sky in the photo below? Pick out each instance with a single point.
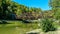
(43, 4)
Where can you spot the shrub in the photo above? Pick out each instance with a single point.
(3, 22)
(46, 25)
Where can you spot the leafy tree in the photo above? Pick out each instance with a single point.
(55, 4)
(9, 8)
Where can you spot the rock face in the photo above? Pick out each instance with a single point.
(32, 33)
(37, 31)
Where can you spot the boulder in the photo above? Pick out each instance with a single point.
(37, 31)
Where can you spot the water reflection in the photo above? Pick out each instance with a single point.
(8, 30)
(3, 25)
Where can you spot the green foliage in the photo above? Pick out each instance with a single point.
(46, 25)
(38, 10)
(55, 4)
(8, 8)
(3, 22)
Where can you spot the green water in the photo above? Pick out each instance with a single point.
(12, 29)
(16, 27)
(6, 29)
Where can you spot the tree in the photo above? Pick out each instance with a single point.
(55, 4)
(8, 8)
(3, 7)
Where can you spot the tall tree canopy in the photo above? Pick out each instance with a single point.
(8, 9)
(55, 4)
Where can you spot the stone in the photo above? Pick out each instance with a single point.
(36, 31)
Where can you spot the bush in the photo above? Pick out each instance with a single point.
(46, 25)
(3, 22)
